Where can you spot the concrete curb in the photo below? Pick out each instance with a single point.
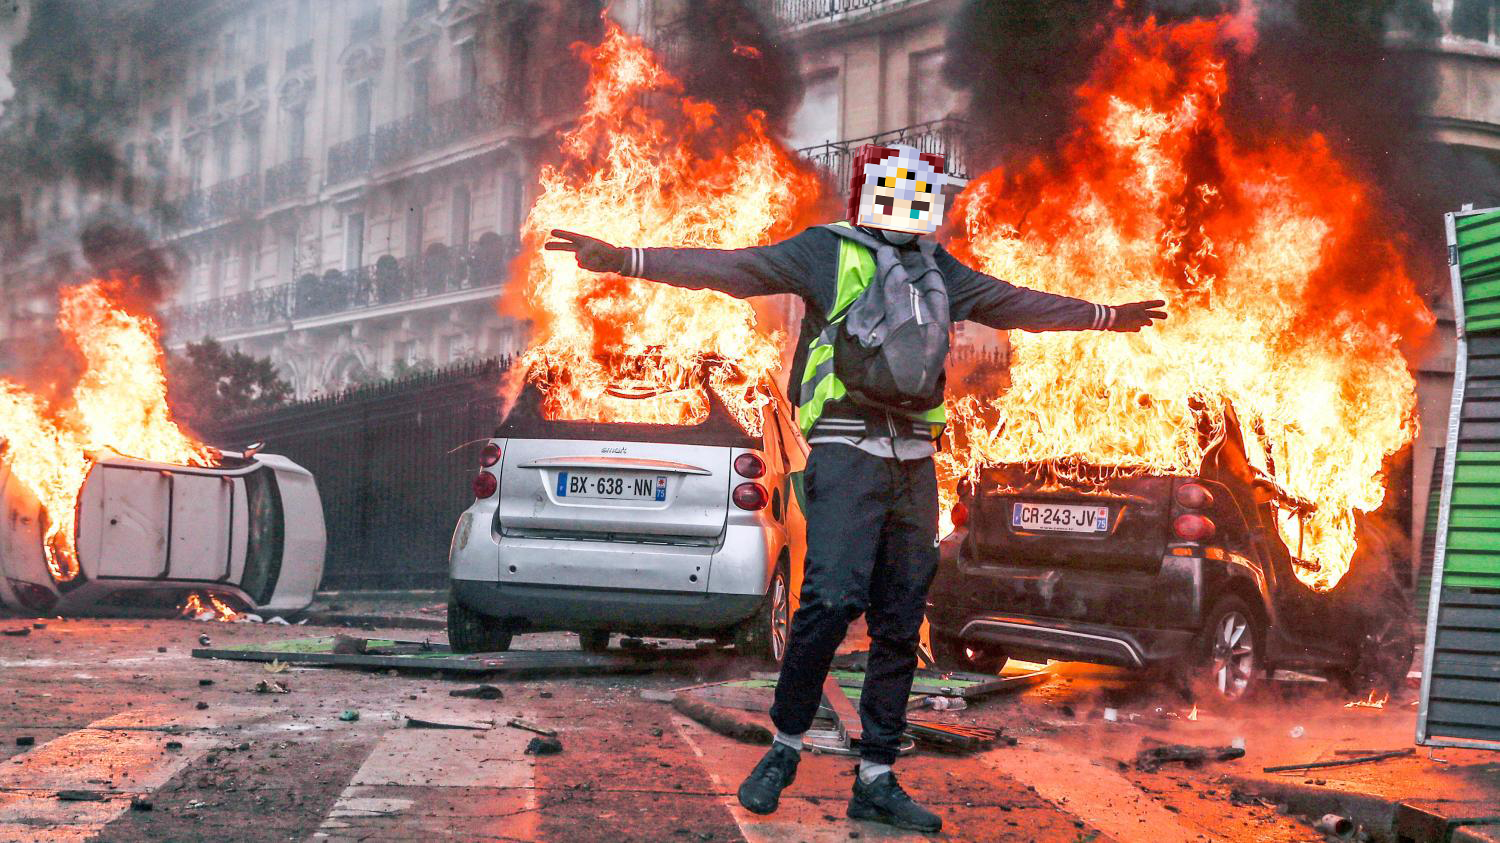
(1376, 814)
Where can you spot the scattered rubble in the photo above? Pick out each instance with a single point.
(1342, 762)
(80, 796)
(348, 715)
(479, 692)
(518, 723)
(267, 686)
(1151, 759)
(16, 632)
(544, 746)
(725, 721)
(26, 740)
(418, 723)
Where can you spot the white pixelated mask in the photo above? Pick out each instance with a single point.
(897, 188)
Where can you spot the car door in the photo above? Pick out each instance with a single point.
(138, 521)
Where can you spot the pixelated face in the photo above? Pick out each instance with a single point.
(901, 192)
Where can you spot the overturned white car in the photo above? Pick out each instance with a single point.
(249, 531)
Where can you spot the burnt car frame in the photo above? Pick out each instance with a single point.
(1188, 576)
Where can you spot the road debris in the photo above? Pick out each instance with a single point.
(725, 721)
(16, 632)
(418, 723)
(139, 804)
(269, 686)
(204, 640)
(518, 723)
(348, 645)
(1151, 759)
(174, 745)
(348, 715)
(25, 740)
(544, 746)
(479, 692)
(1338, 826)
(952, 736)
(80, 796)
(1342, 762)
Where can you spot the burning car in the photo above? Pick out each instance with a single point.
(1149, 570)
(248, 530)
(689, 529)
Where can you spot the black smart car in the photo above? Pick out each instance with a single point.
(1183, 573)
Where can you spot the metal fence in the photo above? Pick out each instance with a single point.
(393, 462)
(797, 12)
(945, 137)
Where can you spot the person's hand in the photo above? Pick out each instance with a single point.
(592, 254)
(1137, 315)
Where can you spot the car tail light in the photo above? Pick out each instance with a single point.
(1193, 496)
(490, 455)
(485, 485)
(751, 496)
(960, 515)
(37, 598)
(1193, 528)
(750, 465)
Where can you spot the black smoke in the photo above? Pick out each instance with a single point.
(729, 53)
(120, 250)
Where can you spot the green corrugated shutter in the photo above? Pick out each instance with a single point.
(1460, 703)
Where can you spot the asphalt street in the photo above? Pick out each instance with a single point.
(110, 730)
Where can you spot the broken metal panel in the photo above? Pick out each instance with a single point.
(1460, 704)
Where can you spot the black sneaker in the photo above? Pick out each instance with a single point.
(762, 788)
(884, 801)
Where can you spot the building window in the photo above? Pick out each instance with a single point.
(459, 236)
(260, 38)
(421, 76)
(361, 109)
(195, 170)
(468, 68)
(253, 150)
(296, 134)
(354, 241)
(1474, 19)
(302, 21)
(816, 120)
(223, 152)
(414, 229)
(929, 96)
(511, 209)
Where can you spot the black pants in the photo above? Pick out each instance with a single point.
(872, 550)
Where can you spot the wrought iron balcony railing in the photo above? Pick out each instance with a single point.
(798, 12)
(433, 128)
(287, 180)
(299, 56)
(945, 137)
(388, 281)
(234, 197)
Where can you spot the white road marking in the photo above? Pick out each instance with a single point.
(119, 757)
(386, 792)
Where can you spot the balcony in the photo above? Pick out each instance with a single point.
(388, 281)
(255, 77)
(799, 12)
(287, 180)
(399, 140)
(226, 200)
(945, 137)
(226, 91)
(365, 26)
(197, 104)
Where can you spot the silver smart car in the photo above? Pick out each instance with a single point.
(648, 530)
(249, 531)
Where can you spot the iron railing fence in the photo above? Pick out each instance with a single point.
(946, 137)
(287, 180)
(393, 464)
(389, 280)
(423, 131)
(798, 12)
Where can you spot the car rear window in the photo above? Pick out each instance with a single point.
(525, 421)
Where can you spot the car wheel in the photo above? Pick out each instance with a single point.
(1383, 655)
(594, 640)
(951, 653)
(1231, 666)
(475, 632)
(764, 634)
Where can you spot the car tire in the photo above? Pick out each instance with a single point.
(475, 632)
(764, 634)
(951, 653)
(1382, 656)
(594, 640)
(1230, 664)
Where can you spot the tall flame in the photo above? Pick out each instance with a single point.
(118, 406)
(1289, 298)
(647, 166)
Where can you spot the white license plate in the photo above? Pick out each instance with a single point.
(623, 487)
(1062, 517)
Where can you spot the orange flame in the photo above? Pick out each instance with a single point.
(1288, 294)
(647, 166)
(1193, 715)
(1372, 701)
(213, 609)
(118, 407)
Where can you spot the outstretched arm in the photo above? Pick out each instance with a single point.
(785, 267)
(990, 301)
